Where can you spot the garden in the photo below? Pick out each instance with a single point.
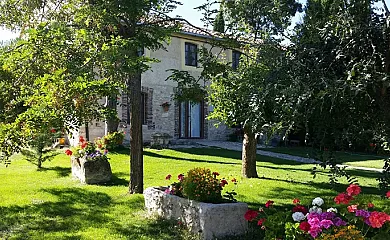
(48, 203)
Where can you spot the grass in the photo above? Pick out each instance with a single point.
(347, 158)
(49, 204)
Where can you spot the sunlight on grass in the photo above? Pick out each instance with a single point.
(50, 204)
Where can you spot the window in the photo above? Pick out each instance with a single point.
(144, 110)
(191, 54)
(235, 59)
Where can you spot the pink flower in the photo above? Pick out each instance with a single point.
(370, 205)
(168, 177)
(352, 208)
(296, 201)
(250, 215)
(180, 177)
(377, 219)
(260, 222)
(223, 183)
(326, 223)
(388, 194)
(353, 190)
(314, 231)
(269, 203)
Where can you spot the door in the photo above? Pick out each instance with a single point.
(191, 120)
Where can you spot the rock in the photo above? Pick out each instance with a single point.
(209, 220)
(91, 172)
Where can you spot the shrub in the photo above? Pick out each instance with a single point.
(200, 184)
(110, 141)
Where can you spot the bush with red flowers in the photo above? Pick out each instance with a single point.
(88, 151)
(202, 185)
(348, 216)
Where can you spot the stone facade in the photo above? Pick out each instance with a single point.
(210, 221)
(157, 90)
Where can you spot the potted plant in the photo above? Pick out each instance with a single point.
(196, 200)
(89, 163)
(165, 106)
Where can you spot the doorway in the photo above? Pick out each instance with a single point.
(191, 120)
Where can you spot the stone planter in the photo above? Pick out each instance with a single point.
(209, 220)
(91, 172)
(160, 140)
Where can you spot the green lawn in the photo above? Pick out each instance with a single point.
(49, 204)
(347, 158)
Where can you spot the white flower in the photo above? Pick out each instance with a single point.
(318, 201)
(332, 210)
(315, 209)
(298, 216)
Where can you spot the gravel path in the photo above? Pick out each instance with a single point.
(236, 146)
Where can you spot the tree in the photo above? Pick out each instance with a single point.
(247, 96)
(109, 35)
(339, 77)
(219, 22)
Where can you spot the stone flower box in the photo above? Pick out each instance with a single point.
(91, 172)
(209, 220)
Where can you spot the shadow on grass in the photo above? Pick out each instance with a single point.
(60, 171)
(156, 155)
(78, 212)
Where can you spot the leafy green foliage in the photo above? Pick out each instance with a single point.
(110, 141)
(201, 185)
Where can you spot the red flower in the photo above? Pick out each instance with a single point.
(343, 198)
(84, 144)
(353, 190)
(370, 205)
(234, 180)
(388, 194)
(68, 152)
(352, 208)
(52, 130)
(100, 146)
(81, 139)
(296, 201)
(304, 226)
(269, 203)
(299, 208)
(180, 177)
(260, 222)
(377, 219)
(168, 177)
(250, 215)
(372, 145)
(215, 174)
(223, 183)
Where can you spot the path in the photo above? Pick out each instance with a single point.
(237, 146)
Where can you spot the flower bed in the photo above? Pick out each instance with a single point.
(89, 164)
(196, 201)
(348, 219)
(207, 219)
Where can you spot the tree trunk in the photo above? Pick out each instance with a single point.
(112, 121)
(249, 148)
(136, 143)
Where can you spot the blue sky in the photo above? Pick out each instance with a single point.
(186, 11)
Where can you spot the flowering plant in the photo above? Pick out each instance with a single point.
(202, 185)
(350, 220)
(87, 151)
(110, 141)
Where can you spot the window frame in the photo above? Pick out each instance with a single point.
(236, 55)
(190, 50)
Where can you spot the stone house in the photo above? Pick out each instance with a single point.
(179, 120)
